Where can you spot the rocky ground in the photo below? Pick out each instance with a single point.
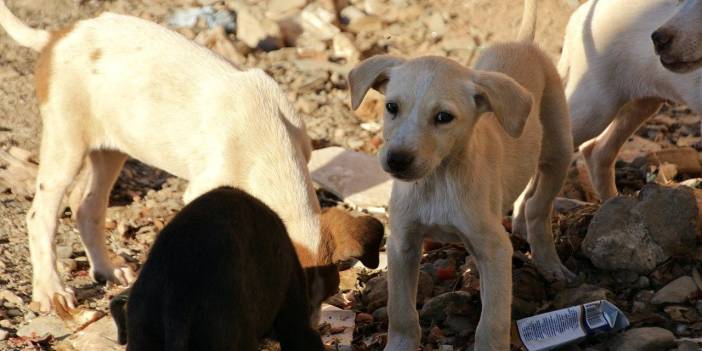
(639, 251)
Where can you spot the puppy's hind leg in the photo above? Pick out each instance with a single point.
(91, 217)
(556, 154)
(60, 160)
(601, 153)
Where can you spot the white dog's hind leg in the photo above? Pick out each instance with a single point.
(105, 167)
(601, 153)
(60, 160)
(404, 251)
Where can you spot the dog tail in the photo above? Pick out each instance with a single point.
(118, 310)
(23, 34)
(528, 28)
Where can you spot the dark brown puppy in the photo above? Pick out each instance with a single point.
(220, 276)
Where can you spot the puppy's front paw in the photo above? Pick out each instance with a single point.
(46, 293)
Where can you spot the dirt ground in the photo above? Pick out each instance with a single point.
(144, 199)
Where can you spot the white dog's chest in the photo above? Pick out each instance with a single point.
(437, 211)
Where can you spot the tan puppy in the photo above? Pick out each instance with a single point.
(117, 85)
(462, 145)
(613, 79)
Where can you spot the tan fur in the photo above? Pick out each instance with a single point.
(510, 131)
(43, 67)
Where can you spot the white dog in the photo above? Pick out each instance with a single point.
(463, 144)
(613, 79)
(117, 85)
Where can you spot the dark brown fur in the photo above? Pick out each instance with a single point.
(220, 276)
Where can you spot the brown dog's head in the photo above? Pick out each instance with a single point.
(679, 41)
(431, 107)
(344, 237)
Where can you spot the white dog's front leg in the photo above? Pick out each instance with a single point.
(404, 252)
(492, 248)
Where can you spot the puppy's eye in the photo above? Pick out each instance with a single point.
(391, 107)
(443, 117)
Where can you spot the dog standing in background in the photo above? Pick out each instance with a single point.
(613, 79)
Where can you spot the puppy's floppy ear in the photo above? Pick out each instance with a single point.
(354, 237)
(508, 100)
(371, 73)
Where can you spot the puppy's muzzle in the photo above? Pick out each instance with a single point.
(398, 162)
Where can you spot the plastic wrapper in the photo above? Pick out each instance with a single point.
(568, 325)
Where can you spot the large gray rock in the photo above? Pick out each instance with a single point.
(644, 339)
(639, 233)
(677, 291)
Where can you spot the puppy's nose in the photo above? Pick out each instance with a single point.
(662, 39)
(399, 161)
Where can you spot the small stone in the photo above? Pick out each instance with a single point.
(343, 47)
(100, 335)
(364, 318)
(3, 334)
(318, 22)
(44, 325)
(375, 294)
(685, 159)
(637, 146)
(13, 312)
(67, 265)
(10, 297)
(381, 314)
(257, 32)
(6, 323)
(643, 282)
(435, 310)
(217, 40)
(366, 24)
(64, 251)
(644, 339)
(436, 25)
(580, 295)
(687, 345)
(277, 9)
(677, 291)
(462, 325)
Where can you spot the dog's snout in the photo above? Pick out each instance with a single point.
(399, 161)
(662, 39)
